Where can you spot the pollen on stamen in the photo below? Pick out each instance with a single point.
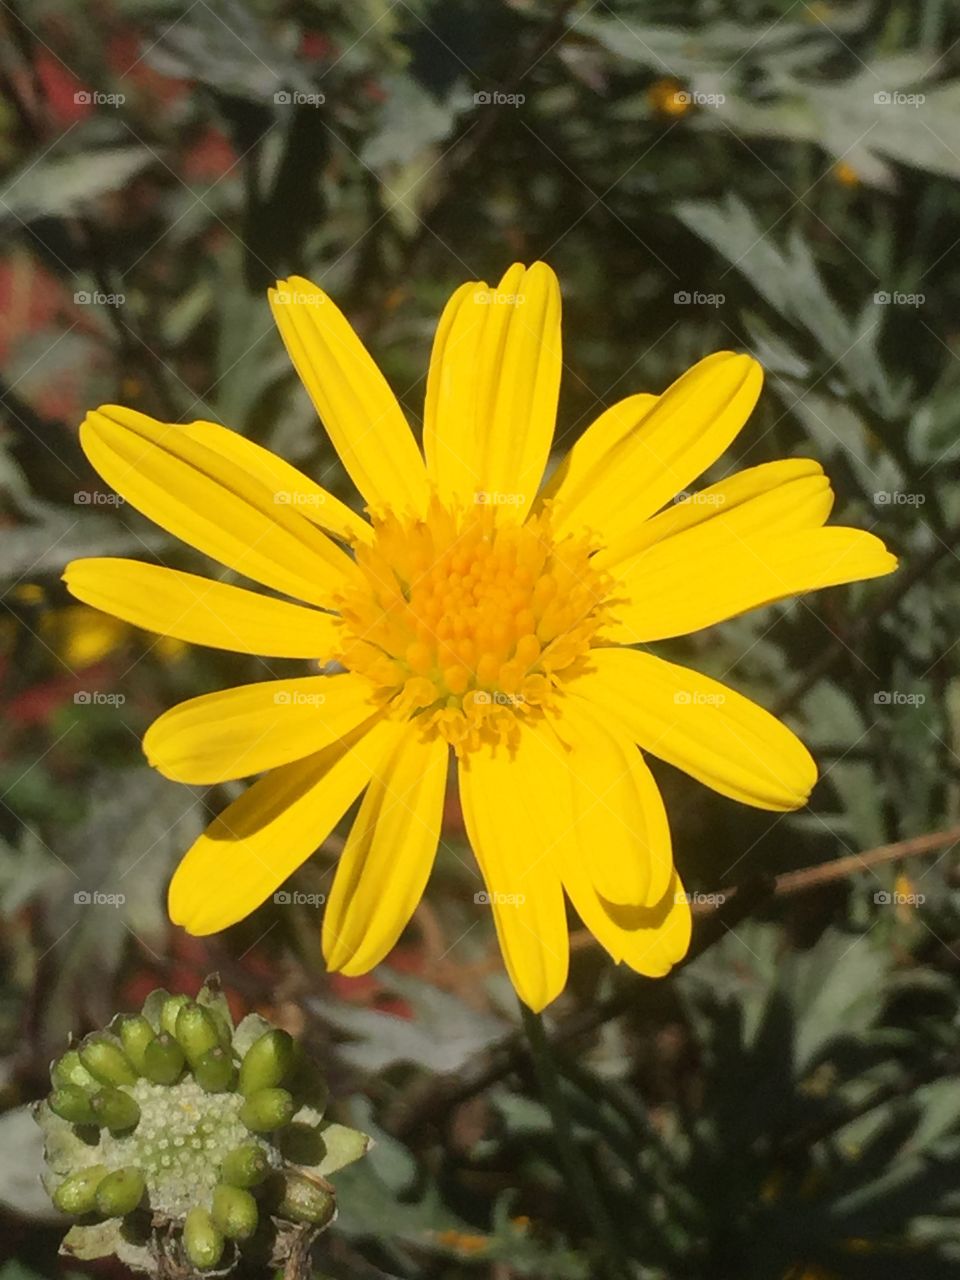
(470, 625)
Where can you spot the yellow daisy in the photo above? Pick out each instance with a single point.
(478, 610)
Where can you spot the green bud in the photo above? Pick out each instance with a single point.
(77, 1193)
(115, 1110)
(170, 1011)
(266, 1062)
(135, 1034)
(196, 1031)
(214, 1070)
(234, 1212)
(70, 1070)
(202, 1241)
(305, 1200)
(71, 1103)
(120, 1192)
(245, 1166)
(163, 1059)
(106, 1061)
(267, 1109)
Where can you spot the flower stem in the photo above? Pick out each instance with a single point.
(578, 1171)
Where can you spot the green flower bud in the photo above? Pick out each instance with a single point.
(214, 1070)
(120, 1192)
(234, 1212)
(163, 1059)
(115, 1110)
(196, 1031)
(71, 1103)
(135, 1034)
(267, 1109)
(77, 1193)
(106, 1061)
(202, 1241)
(305, 1200)
(170, 1012)
(266, 1062)
(245, 1166)
(70, 1070)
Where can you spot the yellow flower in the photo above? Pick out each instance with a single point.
(475, 610)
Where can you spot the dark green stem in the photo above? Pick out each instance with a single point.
(578, 1172)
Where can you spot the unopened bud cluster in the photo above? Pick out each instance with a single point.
(177, 1120)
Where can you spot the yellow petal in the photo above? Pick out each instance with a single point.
(205, 498)
(187, 607)
(289, 486)
(701, 726)
(618, 814)
(389, 853)
(774, 497)
(650, 940)
(671, 443)
(517, 830)
(261, 839)
(238, 732)
(709, 573)
(492, 391)
(360, 412)
(585, 464)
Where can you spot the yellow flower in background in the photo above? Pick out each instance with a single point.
(473, 610)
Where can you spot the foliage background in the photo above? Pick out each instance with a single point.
(787, 1104)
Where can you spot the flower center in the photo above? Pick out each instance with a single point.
(467, 624)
